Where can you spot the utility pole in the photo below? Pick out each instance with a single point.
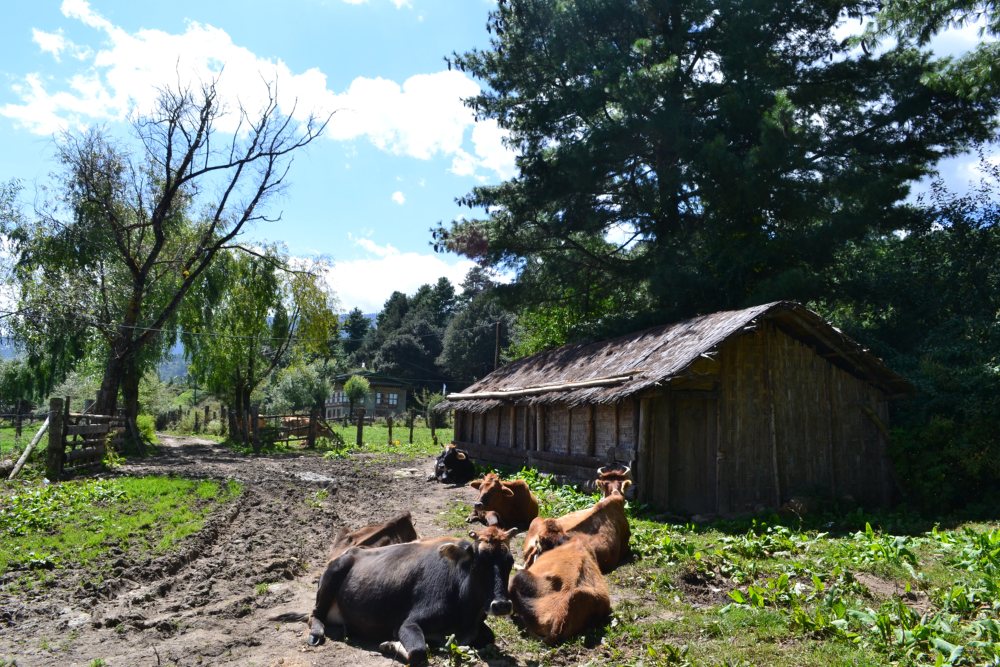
(496, 348)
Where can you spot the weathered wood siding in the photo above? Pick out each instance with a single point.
(793, 424)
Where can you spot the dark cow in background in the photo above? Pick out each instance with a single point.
(513, 502)
(562, 593)
(406, 593)
(603, 526)
(454, 466)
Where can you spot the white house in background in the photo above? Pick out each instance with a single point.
(387, 397)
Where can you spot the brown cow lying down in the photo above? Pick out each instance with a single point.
(562, 593)
(404, 594)
(513, 501)
(604, 527)
(396, 530)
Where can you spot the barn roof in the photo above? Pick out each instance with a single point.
(610, 370)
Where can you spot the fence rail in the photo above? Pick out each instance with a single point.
(79, 441)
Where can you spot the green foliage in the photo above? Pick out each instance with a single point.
(945, 447)
(45, 525)
(357, 388)
(685, 158)
(147, 428)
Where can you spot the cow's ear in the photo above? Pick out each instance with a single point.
(476, 483)
(627, 483)
(509, 534)
(455, 552)
(601, 484)
(507, 491)
(461, 456)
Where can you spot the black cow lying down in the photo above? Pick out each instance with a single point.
(453, 466)
(407, 593)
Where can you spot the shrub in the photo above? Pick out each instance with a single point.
(147, 428)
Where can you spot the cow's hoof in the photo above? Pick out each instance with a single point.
(315, 640)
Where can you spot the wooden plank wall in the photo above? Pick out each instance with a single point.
(786, 413)
(575, 442)
(746, 483)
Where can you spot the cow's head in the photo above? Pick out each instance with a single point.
(613, 480)
(491, 557)
(550, 535)
(490, 489)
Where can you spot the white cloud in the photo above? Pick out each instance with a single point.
(50, 42)
(388, 250)
(399, 197)
(366, 283)
(422, 117)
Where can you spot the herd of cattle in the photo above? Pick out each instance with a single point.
(385, 584)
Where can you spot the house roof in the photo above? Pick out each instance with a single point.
(610, 370)
(373, 378)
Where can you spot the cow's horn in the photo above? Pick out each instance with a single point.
(600, 471)
(627, 470)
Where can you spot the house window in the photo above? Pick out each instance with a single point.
(378, 398)
(329, 413)
(393, 399)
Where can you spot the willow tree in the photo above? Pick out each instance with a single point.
(134, 226)
(251, 312)
(681, 157)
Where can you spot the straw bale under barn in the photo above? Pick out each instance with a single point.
(721, 414)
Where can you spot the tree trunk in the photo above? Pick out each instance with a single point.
(130, 397)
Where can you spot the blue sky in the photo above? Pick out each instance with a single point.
(400, 148)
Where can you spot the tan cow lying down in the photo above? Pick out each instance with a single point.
(513, 502)
(562, 593)
(603, 526)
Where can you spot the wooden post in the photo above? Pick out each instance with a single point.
(540, 428)
(360, 412)
(57, 446)
(769, 392)
(569, 430)
(207, 416)
(197, 426)
(618, 418)
(413, 418)
(643, 473)
(255, 428)
(388, 423)
(513, 426)
(591, 431)
(313, 427)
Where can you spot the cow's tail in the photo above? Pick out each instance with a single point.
(290, 617)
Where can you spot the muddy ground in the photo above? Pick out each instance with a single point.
(204, 604)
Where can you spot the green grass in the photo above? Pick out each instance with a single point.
(8, 441)
(835, 590)
(43, 526)
(376, 443)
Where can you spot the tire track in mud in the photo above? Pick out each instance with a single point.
(212, 601)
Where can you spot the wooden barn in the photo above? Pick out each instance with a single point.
(718, 415)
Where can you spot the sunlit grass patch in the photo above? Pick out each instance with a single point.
(45, 526)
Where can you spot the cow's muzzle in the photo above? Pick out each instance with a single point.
(500, 607)
(478, 506)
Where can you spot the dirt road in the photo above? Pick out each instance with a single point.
(206, 605)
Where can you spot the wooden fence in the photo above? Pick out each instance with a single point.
(79, 441)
